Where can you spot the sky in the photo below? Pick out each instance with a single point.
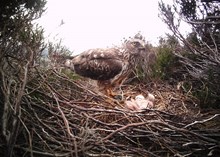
(86, 24)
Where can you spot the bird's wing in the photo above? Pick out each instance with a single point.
(99, 64)
(111, 53)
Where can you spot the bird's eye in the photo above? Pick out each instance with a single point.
(135, 43)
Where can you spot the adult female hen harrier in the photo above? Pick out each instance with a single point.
(110, 67)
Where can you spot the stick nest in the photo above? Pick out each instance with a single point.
(63, 117)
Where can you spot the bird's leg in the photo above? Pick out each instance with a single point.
(121, 92)
(107, 89)
(118, 83)
(119, 95)
(110, 95)
(110, 92)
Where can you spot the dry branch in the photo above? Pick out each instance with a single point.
(61, 117)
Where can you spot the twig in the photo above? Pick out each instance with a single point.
(202, 121)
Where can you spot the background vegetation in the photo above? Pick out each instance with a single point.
(45, 111)
(199, 53)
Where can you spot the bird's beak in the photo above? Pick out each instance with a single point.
(78, 59)
(68, 63)
(142, 47)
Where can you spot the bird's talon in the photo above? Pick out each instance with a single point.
(118, 97)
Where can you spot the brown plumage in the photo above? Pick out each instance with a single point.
(110, 67)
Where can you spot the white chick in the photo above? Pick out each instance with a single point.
(132, 105)
(142, 102)
(150, 97)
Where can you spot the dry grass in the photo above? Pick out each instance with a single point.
(65, 117)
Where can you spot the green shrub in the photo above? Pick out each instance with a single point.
(165, 63)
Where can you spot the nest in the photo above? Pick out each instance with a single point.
(63, 117)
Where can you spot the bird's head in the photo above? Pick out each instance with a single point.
(139, 97)
(71, 62)
(135, 46)
(79, 59)
(75, 60)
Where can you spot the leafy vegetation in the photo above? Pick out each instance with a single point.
(21, 44)
(164, 66)
(200, 53)
(49, 111)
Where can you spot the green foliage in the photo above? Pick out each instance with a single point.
(13, 12)
(70, 74)
(165, 60)
(206, 94)
(188, 8)
(200, 54)
(21, 44)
